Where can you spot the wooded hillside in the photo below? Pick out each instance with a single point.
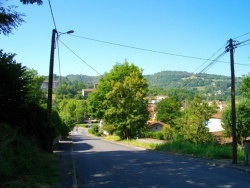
(211, 85)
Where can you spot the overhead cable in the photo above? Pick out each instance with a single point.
(59, 60)
(52, 15)
(79, 57)
(212, 63)
(210, 58)
(144, 49)
(242, 35)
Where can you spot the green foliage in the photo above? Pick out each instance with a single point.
(21, 100)
(191, 126)
(22, 163)
(245, 86)
(155, 135)
(182, 85)
(168, 82)
(165, 134)
(94, 129)
(168, 110)
(72, 111)
(119, 100)
(200, 150)
(242, 120)
(10, 19)
(110, 128)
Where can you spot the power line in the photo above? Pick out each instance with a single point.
(80, 58)
(244, 45)
(242, 35)
(209, 59)
(51, 11)
(239, 44)
(205, 69)
(153, 51)
(59, 61)
(144, 49)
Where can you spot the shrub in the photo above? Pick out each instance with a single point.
(109, 128)
(22, 163)
(94, 129)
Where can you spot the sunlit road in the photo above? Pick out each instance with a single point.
(104, 164)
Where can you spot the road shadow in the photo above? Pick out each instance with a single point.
(142, 168)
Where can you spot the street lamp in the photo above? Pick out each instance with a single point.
(51, 67)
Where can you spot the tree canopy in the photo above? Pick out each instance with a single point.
(10, 19)
(119, 100)
(168, 110)
(22, 100)
(192, 125)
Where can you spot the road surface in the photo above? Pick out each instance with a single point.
(106, 164)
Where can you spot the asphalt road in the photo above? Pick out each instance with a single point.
(106, 164)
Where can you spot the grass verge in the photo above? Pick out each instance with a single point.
(211, 151)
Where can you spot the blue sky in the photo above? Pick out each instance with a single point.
(183, 27)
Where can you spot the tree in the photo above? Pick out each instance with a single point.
(242, 120)
(10, 19)
(192, 125)
(72, 111)
(119, 100)
(168, 110)
(245, 86)
(20, 102)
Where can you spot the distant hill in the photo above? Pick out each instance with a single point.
(180, 79)
(215, 86)
(210, 84)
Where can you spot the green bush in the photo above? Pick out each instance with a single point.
(22, 163)
(94, 129)
(109, 128)
(154, 135)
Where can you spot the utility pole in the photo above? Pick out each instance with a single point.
(230, 48)
(51, 70)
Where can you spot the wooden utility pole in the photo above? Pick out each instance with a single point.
(230, 48)
(50, 84)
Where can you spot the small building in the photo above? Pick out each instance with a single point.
(214, 123)
(86, 92)
(155, 126)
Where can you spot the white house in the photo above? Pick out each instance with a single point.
(214, 123)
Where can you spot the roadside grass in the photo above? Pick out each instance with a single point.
(41, 171)
(115, 138)
(84, 125)
(211, 151)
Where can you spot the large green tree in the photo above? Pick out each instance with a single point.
(168, 110)
(119, 100)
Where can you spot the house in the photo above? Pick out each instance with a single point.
(214, 123)
(86, 92)
(155, 126)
